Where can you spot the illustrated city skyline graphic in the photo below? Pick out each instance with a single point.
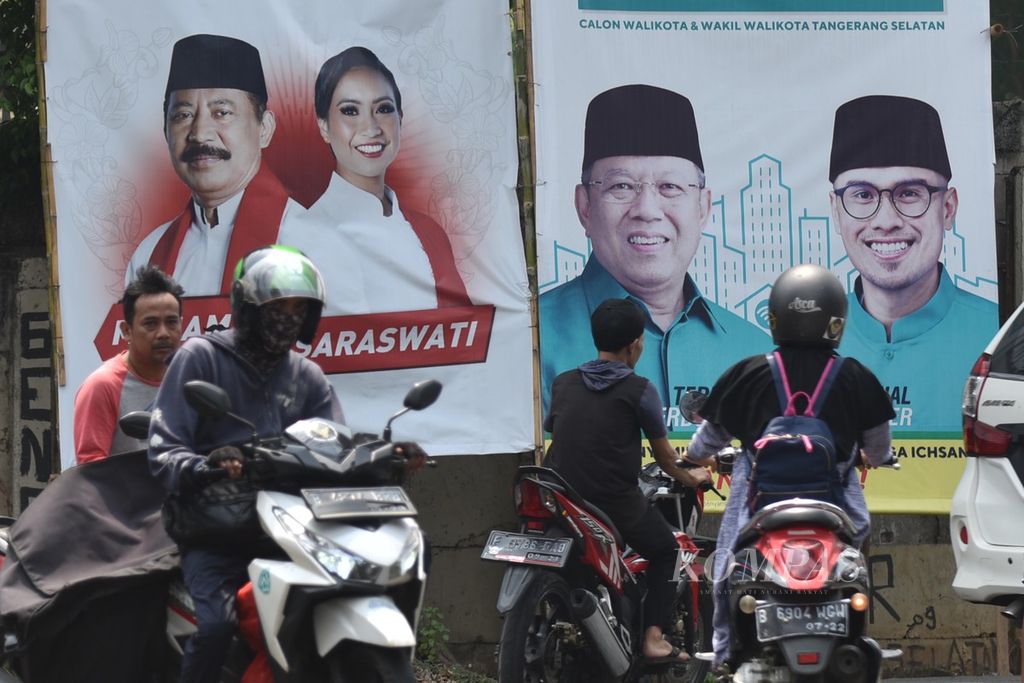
(736, 270)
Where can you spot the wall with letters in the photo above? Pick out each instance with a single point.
(27, 407)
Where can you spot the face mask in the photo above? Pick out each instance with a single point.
(278, 329)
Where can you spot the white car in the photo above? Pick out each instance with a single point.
(986, 520)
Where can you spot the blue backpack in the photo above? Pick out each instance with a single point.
(795, 456)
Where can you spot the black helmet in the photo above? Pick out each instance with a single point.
(271, 273)
(807, 307)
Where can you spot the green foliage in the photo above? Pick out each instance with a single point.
(431, 635)
(21, 191)
(19, 87)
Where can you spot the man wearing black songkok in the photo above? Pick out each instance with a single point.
(216, 123)
(892, 203)
(643, 203)
(598, 413)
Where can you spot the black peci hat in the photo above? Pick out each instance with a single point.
(615, 323)
(208, 61)
(885, 130)
(640, 120)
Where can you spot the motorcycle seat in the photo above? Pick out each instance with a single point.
(773, 518)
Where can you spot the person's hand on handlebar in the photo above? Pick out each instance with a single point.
(693, 476)
(227, 458)
(415, 456)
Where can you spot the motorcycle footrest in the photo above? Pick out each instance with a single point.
(705, 656)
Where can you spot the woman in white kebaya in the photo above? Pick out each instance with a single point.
(375, 255)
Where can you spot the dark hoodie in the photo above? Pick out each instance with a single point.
(179, 438)
(597, 414)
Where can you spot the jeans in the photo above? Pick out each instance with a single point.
(213, 579)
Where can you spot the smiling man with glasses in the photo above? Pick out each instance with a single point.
(643, 203)
(892, 203)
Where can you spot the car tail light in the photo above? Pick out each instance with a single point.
(983, 439)
(533, 500)
(980, 438)
(972, 388)
(963, 534)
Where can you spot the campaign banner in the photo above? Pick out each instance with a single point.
(186, 135)
(690, 151)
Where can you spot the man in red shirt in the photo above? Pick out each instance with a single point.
(129, 380)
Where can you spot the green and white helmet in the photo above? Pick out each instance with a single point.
(272, 273)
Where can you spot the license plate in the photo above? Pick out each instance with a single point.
(523, 549)
(347, 503)
(776, 621)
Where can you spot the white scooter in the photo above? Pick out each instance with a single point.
(343, 600)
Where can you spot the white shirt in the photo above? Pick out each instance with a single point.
(371, 263)
(201, 261)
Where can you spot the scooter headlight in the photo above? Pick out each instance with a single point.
(329, 555)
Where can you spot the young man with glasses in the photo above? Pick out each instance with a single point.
(892, 204)
(643, 203)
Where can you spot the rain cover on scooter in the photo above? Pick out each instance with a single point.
(85, 558)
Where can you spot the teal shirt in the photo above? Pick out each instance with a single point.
(702, 342)
(931, 353)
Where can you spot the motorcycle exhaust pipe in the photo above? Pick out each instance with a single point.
(1014, 611)
(848, 662)
(598, 630)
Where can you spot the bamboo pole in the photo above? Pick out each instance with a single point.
(49, 205)
(522, 62)
(50, 231)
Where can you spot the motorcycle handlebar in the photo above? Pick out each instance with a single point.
(210, 475)
(892, 463)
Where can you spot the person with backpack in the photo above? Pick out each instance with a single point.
(805, 416)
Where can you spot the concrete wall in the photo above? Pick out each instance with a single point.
(28, 408)
(914, 607)
(460, 501)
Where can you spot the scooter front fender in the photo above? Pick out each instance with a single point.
(517, 579)
(374, 620)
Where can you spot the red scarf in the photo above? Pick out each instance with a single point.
(451, 290)
(256, 224)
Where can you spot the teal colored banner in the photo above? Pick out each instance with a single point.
(765, 5)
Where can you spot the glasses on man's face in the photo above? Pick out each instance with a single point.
(912, 200)
(620, 189)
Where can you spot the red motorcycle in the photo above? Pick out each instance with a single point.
(798, 599)
(572, 594)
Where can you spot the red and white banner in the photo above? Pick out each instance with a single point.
(443, 295)
(352, 343)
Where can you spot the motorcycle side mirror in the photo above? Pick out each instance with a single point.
(422, 394)
(691, 404)
(209, 400)
(135, 424)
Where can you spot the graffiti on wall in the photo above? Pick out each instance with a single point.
(930, 630)
(33, 400)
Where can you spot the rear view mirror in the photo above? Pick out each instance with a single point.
(209, 400)
(422, 394)
(691, 404)
(135, 424)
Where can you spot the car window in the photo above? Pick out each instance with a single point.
(1008, 357)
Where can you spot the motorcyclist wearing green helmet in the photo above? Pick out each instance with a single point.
(276, 299)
